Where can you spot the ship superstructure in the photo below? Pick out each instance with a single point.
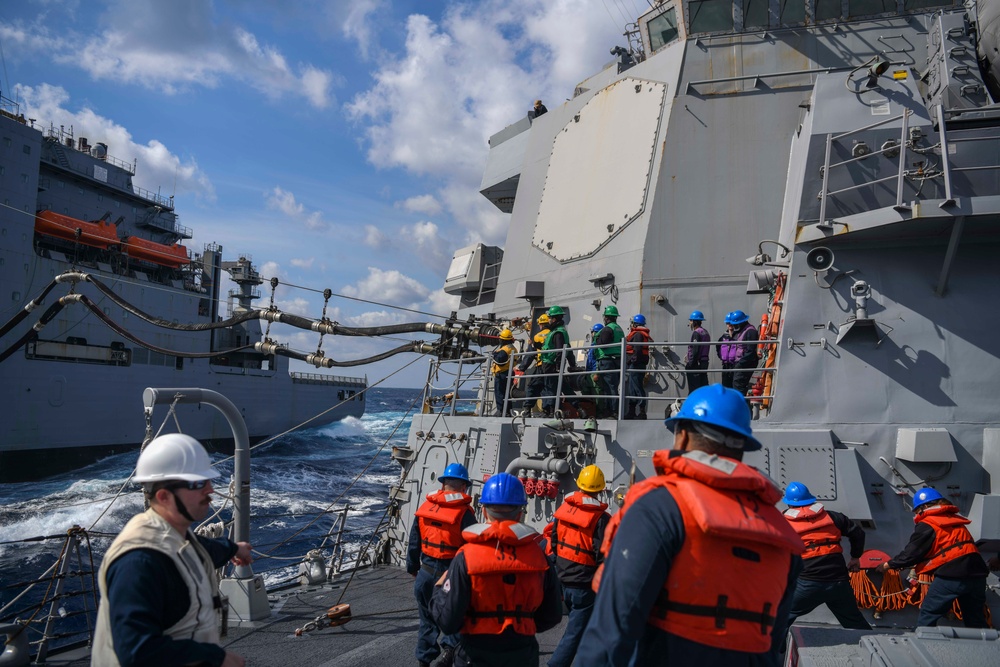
(851, 151)
(67, 205)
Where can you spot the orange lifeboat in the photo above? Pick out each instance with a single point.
(97, 234)
(174, 256)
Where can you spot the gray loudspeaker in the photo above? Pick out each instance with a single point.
(819, 259)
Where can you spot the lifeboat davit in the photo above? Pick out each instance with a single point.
(97, 234)
(174, 256)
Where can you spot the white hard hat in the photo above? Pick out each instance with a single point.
(174, 456)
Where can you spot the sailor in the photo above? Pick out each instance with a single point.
(824, 578)
(160, 601)
(501, 370)
(609, 359)
(592, 386)
(500, 590)
(702, 566)
(551, 358)
(537, 110)
(435, 538)
(697, 357)
(637, 360)
(725, 350)
(743, 350)
(942, 546)
(530, 365)
(574, 540)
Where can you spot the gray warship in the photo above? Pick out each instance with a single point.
(830, 168)
(68, 205)
(830, 165)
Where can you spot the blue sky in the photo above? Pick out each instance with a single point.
(339, 143)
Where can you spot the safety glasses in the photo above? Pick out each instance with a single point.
(190, 486)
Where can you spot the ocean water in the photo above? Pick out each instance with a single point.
(296, 482)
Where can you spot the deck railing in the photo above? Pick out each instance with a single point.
(475, 377)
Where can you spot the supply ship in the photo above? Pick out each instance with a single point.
(69, 205)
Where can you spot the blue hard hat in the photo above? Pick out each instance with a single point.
(797, 495)
(639, 319)
(737, 317)
(924, 496)
(597, 327)
(715, 405)
(697, 315)
(503, 489)
(455, 471)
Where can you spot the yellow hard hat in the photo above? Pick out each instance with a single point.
(506, 334)
(543, 318)
(591, 479)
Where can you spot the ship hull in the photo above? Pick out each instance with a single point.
(70, 391)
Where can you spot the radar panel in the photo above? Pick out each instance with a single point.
(599, 171)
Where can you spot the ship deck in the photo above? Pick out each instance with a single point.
(383, 630)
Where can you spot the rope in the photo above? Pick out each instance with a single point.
(865, 591)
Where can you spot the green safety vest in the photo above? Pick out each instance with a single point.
(606, 352)
(553, 357)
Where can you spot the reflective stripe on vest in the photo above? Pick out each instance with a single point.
(493, 554)
(952, 539)
(816, 528)
(573, 537)
(440, 523)
(727, 580)
(504, 367)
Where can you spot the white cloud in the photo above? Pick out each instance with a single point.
(303, 263)
(169, 46)
(391, 287)
(375, 238)
(426, 204)
(296, 306)
(378, 318)
(424, 240)
(360, 26)
(284, 201)
(442, 303)
(433, 106)
(155, 163)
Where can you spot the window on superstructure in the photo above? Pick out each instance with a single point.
(27, 149)
(755, 13)
(710, 15)
(827, 9)
(6, 142)
(662, 29)
(793, 11)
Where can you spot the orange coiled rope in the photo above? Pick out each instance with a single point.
(892, 595)
(865, 591)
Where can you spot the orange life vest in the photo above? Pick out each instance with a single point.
(952, 539)
(573, 538)
(727, 581)
(507, 576)
(816, 528)
(440, 520)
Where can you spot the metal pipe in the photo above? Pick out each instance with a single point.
(550, 464)
(241, 459)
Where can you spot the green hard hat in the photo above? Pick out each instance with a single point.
(556, 311)
(611, 311)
